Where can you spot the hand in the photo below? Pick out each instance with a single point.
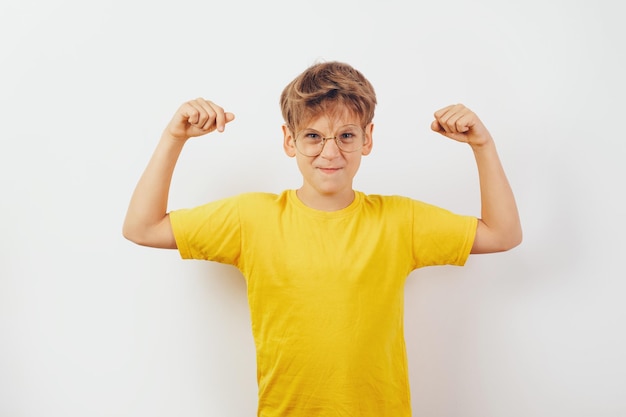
(196, 118)
(461, 124)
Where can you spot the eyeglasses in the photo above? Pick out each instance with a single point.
(349, 138)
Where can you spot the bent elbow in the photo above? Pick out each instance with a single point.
(492, 241)
(155, 236)
(129, 234)
(135, 233)
(513, 240)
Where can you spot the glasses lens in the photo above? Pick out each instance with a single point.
(349, 138)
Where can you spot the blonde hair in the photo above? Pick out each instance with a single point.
(327, 88)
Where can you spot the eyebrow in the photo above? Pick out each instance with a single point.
(351, 125)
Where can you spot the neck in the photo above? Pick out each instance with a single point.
(325, 202)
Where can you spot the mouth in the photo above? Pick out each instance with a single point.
(328, 170)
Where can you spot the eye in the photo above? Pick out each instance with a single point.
(347, 137)
(312, 137)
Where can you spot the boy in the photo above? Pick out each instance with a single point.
(325, 265)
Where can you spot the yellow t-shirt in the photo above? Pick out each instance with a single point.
(326, 292)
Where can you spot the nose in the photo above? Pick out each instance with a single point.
(330, 149)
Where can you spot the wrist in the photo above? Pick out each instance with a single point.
(481, 143)
(173, 138)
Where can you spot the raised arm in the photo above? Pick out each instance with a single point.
(499, 228)
(147, 222)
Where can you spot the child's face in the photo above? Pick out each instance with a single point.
(329, 174)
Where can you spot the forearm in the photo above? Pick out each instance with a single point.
(148, 204)
(499, 227)
(499, 215)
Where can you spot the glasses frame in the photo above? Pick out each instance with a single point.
(326, 139)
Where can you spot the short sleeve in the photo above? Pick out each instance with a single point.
(209, 232)
(441, 237)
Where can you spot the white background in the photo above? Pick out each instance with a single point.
(93, 325)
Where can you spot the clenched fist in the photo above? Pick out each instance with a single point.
(461, 124)
(196, 118)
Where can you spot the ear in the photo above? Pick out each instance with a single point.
(289, 144)
(369, 138)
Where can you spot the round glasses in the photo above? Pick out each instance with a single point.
(349, 138)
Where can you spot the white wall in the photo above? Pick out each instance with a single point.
(92, 325)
